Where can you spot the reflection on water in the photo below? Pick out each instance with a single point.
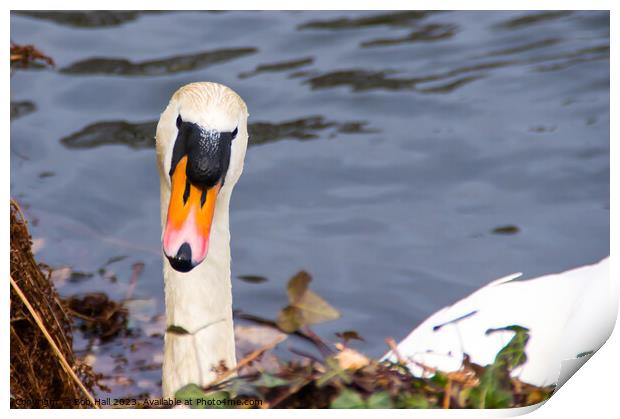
(525, 47)
(280, 66)
(86, 19)
(396, 19)
(531, 19)
(141, 135)
(361, 80)
(406, 158)
(432, 32)
(175, 64)
(134, 135)
(303, 129)
(600, 52)
(19, 109)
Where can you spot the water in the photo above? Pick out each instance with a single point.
(403, 159)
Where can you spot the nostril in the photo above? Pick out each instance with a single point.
(182, 262)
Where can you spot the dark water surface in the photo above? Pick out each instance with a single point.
(404, 159)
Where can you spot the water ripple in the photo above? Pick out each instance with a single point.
(86, 18)
(277, 67)
(404, 18)
(141, 135)
(427, 33)
(532, 19)
(363, 80)
(171, 65)
(19, 109)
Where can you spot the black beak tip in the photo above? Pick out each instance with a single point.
(182, 262)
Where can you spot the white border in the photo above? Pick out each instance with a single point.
(592, 392)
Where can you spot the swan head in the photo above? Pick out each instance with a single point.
(201, 142)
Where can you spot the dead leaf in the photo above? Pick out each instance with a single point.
(350, 359)
(348, 335)
(297, 286)
(290, 319)
(305, 307)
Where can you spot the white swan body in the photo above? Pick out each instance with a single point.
(198, 301)
(569, 315)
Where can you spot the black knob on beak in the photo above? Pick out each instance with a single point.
(182, 262)
(208, 153)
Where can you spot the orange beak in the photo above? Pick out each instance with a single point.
(190, 215)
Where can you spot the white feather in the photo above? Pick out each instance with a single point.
(568, 314)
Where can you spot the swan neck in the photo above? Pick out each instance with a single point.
(199, 306)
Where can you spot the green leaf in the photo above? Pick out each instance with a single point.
(333, 370)
(243, 386)
(194, 397)
(412, 401)
(380, 400)
(439, 379)
(212, 399)
(494, 391)
(513, 354)
(490, 394)
(348, 399)
(305, 307)
(190, 393)
(268, 380)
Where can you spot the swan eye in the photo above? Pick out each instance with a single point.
(234, 133)
(179, 121)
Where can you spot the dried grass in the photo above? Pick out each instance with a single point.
(38, 378)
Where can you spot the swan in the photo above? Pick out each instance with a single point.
(569, 316)
(201, 140)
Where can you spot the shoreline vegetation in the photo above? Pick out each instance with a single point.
(44, 368)
(333, 375)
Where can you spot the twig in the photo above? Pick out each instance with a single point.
(136, 271)
(59, 354)
(394, 348)
(304, 354)
(288, 393)
(446, 395)
(246, 360)
(318, 342)
(19, 210)
(80, 315)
